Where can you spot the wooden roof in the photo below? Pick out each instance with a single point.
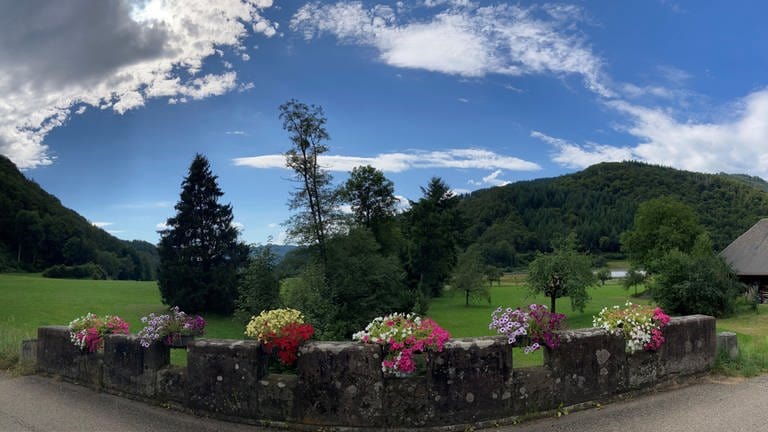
(748, 254)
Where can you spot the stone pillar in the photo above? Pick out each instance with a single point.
(28, 354)
(340, 383)
(470, 379)
(728, 343)
(131, 368)
(223, 376)
(588, 364)
(56, 355)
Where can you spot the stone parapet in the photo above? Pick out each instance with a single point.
(341, 384)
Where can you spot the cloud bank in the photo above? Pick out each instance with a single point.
(58, 57)
(462, 38)
(399, 162)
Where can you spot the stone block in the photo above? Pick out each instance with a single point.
(690, 345)
(532, 390)
(407, 402)
(468, 379)
(340, 383)
(644, 369)
(276, 397)
(223, 376)
(56, 355)
(28, 354)
(131, 368)
(728, 343)
(172, 385)
(588, 364)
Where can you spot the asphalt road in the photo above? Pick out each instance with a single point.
(35, 403)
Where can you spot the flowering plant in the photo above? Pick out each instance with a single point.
(87, 332)
(403, 335)
(170, 327)
(284, 329)
(641, 326)
(536, 323)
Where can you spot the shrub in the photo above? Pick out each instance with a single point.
(82, 271)
(695, 284)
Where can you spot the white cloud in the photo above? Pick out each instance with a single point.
(399, 162)
(491, 179)
(576, 156)
(101, 224)
(115, 55)
(734, 143)
(161, 226)
(463, 100)
(238, 226)
(235, 132)
(273, 225)
(463, 39)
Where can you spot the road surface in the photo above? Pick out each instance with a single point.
(34, 403)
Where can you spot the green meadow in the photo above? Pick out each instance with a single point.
(28, 301)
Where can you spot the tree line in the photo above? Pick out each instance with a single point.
(375, 260)
(37, 233)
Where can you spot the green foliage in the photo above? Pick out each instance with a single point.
(363, 282)
(81, 271)
(469, 277)
(433, 227)
(599, 204)
(200, 255)
(563, 273)
(314, 198)
(35, 228)
(633, 278)
(371, 195)
(259, 288)
(696, 283)
(661, 225)
(603, 275)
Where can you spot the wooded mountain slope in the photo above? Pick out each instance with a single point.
(511, 222)
(37, 231)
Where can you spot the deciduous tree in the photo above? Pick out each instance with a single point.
(563, 273)
(661, 225)
(314, 199)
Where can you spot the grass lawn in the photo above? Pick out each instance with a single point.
(28, 301)
(465, 321)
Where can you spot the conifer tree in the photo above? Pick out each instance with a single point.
(200, 255)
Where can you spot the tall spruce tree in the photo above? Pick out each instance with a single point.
(200, 255)
(434, 228)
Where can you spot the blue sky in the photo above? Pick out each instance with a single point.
(105, 104)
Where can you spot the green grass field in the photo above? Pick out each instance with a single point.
(28, 301)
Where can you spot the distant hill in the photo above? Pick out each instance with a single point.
(37, 232)
(280, 251)
(511, 222)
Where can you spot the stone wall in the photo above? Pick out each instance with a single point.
(341, 383)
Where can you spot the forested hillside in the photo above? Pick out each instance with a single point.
(511, 222)
(37, 232)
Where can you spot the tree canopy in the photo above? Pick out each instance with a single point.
(661, 225)
(200, 254)
(434, 228)
(313, 198)
(562, 273)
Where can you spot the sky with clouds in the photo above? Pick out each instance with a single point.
(105, 104)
